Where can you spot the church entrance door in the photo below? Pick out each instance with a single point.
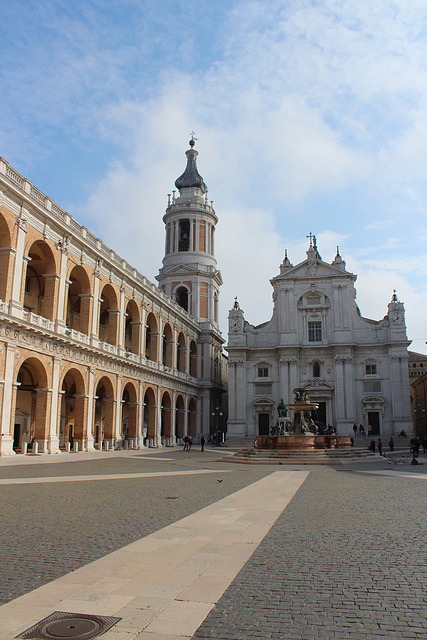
(263, 424)
(373, 423)
(320, 414)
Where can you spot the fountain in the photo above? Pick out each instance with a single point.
(302, 432)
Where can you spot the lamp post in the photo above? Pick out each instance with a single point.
(217, 422)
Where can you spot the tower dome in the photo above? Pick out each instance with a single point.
(191, 177)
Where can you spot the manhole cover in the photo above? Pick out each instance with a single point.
(62, 625)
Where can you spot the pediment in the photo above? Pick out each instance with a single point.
(318, 269)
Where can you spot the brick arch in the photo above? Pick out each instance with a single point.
(180, 416)
(104, 409)
(78, 302)
(132, 327)
(193, 358)
(167, 346)
(151, 337)
(149, 418)
(192, 417)
(166, 417)
(5, 267)
(108, 315)
(39, 280)
(181, 353)
(32, 401)
(72, 409)
(129, 412)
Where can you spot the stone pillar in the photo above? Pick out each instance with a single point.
(53, 435)
(18, 286)
(8, 403)
(63, 289)
(141, 349)
(158, 439)
(118, 412)
(173, 418)
(121, 321)
(140, 438)
(90, 411)
(95, 309)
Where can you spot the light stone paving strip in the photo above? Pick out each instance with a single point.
(164, 585)
(115, 476)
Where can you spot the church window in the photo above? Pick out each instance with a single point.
(371, 369)
(262, 372)
(184, 235)
(316, 370)
(315, 331)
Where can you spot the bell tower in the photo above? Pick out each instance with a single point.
(189, 274)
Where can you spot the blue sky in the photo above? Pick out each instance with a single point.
(311, 116)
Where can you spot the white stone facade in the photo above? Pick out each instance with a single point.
(354, 367)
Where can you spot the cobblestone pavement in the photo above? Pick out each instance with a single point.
(346, 559)
(48, 530)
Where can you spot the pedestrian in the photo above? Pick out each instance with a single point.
(351, 441)
(372, 445)
(185, 444)
(189, 442)
(391, 444)
(202, 442)
(361, 430)
(380, 447)
(355, 430)
(424, 443)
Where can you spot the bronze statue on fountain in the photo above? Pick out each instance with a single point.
(302, 432)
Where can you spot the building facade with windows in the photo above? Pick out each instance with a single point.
(92, 354)
(355, 368)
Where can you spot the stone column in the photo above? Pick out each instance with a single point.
(16, 302)
(90, 411)
(53, 435)
(121, 322)
(140, 441)
(62, 290)
(158, 414)
(95, 308)
(9, 390)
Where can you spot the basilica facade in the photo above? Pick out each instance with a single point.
(354, 368)
(92, 354)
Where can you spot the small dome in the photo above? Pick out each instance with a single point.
(191, 177)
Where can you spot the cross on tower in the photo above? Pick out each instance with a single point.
(311, 236)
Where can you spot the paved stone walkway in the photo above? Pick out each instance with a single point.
(49, 529)
(346, 559)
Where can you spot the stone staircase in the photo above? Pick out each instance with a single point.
(318, 456)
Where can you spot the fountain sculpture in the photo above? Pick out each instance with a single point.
(302, 432)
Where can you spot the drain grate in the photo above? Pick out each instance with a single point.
(62, 625)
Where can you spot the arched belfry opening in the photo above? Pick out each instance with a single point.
(184, 235)
(182, 297)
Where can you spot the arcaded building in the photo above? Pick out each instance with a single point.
(92, 354)
(355, 368)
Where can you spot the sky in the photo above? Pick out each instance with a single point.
(310, 117)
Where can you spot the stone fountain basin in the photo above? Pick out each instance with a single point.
(304, 442)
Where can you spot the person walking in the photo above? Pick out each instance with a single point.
(189, 442)
(380, 447)
(202, 442)
(355, 430)
(391, 444)
(372, 445)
